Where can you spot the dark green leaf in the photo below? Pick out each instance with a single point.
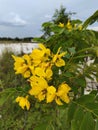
(87, 123)
(96, 126)
(6, 94)
(77, 119)
(92, 106)
(71, 110)
(72, 50)
(86, 99)
(91, 19)
(41, 127)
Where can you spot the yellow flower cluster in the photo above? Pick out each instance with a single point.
(23, 101)
(69, 26)
(61, 25)
(37, 68)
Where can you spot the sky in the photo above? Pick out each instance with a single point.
(23, 18)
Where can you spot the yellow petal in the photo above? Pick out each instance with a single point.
(58, 101)
(27, 104)
(18, 99)
(41, 96)
(22, 102)
(51, 92)
(49, 73)
(61, 25)
(65, 98)
(39, 72)
(60, 62)
(26, 74)
(68, 25)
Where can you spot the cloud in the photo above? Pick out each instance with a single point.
(48, 16)
(13, 20)
(93, 28)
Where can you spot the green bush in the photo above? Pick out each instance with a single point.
(8, 80)
(7, 74)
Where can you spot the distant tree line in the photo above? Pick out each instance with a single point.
(16, 39)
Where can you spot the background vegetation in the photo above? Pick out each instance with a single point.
(13, 40)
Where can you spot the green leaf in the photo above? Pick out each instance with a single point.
(96, 126)
(88, 122)
(81, 81)
(86, 99)
(78, 116)
(73, 125)
(77, 119)
(6, 94)
(93, 106)
(50, 127)
(72, 50)
(41, 127)
(91, 19)
(61, 31)
(71, 110)
(44, 126)
(3, 99)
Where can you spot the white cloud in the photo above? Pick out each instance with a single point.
(93, 28)
(48, 16)
(17, 20)
(13, 19)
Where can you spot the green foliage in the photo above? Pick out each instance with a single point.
(7, 74)
(92, 19)
(81, 46)
(60, 16)
(82, 113)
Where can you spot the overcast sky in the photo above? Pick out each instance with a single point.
(23, 18)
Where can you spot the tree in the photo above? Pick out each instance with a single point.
(60, 16)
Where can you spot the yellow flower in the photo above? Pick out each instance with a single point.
(39, 86)
(36, 54)
(21, 65)
(37, 81)
(21, 69)
(39, 72)
(43, 72)
(26, 74)
(80, 27)
(39, 55)
(51, 92)
(58, 101)
(48, 73)
(27, 59)
(68, 25)
(47, 68)
(62, 94)
(18, 62)
(57, 58)
(45, 50)
(23, 102)
(75, 26)
(61, 25)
